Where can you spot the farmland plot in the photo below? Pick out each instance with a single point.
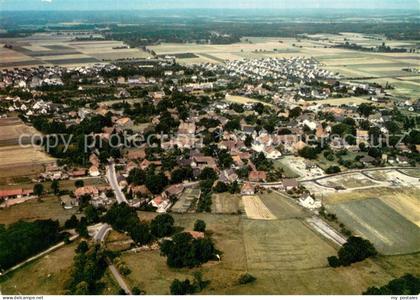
(389, 231)
(284, 244)
(255, 208)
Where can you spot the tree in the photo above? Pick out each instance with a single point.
(140, 233)
(248, 140)
(220, 187)
(185, 251)
(208, 174)
(83, 247)
(79, 183)
(181, 287)
(91, 213)
(82, 228)
(295, 112)
(38, 189)
(72, 222)
(55, 186)
(333, 170)
(162, 225)
(156, 182)
(137, 176)
(365, 109)
(200, 225)
(308, 152)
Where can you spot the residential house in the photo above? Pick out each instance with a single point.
(247, 189)
(257, 176)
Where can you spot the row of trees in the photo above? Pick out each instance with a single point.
(89, 267)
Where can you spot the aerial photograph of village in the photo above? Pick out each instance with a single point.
(200, 147)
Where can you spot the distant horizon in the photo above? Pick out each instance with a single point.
(278, 5)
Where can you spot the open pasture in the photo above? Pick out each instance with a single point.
(389, 231)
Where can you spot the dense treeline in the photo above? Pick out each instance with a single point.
(22, 240)
(405, 285)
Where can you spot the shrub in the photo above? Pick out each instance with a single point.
(246, 278)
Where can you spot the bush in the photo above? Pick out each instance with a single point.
(354, 250)
(246, 278)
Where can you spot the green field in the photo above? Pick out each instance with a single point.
(284, 245)
(45, 276)
(389, 231)
(282, 207)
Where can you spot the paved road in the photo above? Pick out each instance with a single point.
(112, 179)
(99, 237)
(101, 233)
(120, 280)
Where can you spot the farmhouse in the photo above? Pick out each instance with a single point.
(256, 176)
(290, 184)
(247, 189)
(14, 193)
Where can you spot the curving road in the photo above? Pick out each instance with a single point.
(111, 175)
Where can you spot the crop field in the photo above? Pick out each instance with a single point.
(389, 231)
(226, 203)
(255, 208)
(11, 156)
(47, 49)
(11, 129)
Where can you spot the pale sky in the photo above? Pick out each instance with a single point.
(182, 4)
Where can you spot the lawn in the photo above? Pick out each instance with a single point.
(389, 231)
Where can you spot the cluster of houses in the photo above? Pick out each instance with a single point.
(294, 68)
